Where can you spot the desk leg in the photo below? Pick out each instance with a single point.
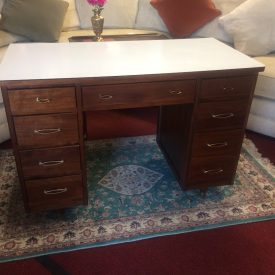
(82, 137)
(174, 138)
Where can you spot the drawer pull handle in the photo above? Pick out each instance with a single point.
(212, 171)
(105, 97)
(217, 145)
(42, 100)
(55, 191)
(47, 131)
(222, 116)
(51, 163)
(175, 92)
(228, 89)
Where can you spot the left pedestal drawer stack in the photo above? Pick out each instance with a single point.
(45, 132)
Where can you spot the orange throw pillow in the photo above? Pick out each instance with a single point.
(182, 17)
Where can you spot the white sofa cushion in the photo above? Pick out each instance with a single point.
(214, 28)
(261, 125)
(269, 61)
(265, 86)
(4, 129)
(1, 4)
(116, 13)
(5, 133)
(1, 97)
(3, 117)
(263, 107)
(148, 17)
(2, 52)
(71, 20)
(252, 26)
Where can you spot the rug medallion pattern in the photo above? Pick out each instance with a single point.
(132, 195)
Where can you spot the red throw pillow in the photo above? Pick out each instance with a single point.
(182, 17)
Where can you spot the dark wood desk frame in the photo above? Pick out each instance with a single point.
(202, 148)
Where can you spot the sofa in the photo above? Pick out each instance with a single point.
(139, 16)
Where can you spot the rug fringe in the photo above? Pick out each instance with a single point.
(251, 148)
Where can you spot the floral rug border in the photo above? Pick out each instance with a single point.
(88, 234)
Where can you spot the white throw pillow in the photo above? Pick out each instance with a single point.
(116, 13)
(252, 27)
(148, 17)
(226, 6)
(71, 20)
(214, 28)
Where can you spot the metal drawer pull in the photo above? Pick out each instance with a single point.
(217, 145)
(42, 100)
(222, 116)
(228, 89)
(47, 131)
(51, 162)
(212, 171)
(105, 97)
(175, 92)
(55, 191)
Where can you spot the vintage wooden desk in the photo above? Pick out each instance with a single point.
(203, 87)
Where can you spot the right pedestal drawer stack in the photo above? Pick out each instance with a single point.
(220, 118)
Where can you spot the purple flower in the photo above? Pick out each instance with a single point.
(99, 3)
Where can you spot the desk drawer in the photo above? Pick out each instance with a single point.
(233, 87)
(212, 170)
(50, 162)
(225, 114)
(54, 193)
(46, 130)
(138, 95)
(42, 101)
(221, 143)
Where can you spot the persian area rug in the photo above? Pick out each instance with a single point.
(133, 195)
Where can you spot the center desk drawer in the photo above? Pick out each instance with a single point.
(46, 130)
(138, 95)
(50, 162)
(44, 100)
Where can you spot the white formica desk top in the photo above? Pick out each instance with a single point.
(32, 61)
